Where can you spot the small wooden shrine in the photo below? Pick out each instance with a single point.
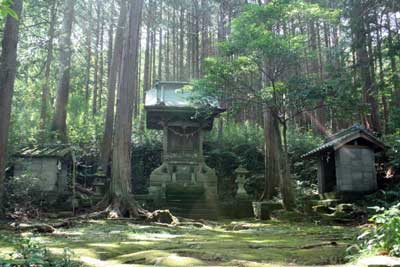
(170, 108)
(347, 161)
(51, 165)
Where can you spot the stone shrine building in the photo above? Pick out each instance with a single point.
(51, 165)
(183, 175)
(347, 161)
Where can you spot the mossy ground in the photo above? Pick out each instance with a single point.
(273, 243)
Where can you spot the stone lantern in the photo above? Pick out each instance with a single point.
(241, 174)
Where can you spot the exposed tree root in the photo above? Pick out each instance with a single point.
(114, 207)
(41, 227)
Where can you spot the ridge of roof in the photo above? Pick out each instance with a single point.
(342, 135)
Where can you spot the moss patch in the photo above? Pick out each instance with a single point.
(120, 242)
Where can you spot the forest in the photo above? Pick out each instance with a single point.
(199, 133)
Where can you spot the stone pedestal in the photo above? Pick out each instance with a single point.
(263, 209)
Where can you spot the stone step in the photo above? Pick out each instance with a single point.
(331, 202)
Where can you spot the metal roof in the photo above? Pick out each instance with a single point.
(173, 94)
(345, 136)
(57, 150)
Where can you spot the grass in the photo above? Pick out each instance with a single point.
(273, 243)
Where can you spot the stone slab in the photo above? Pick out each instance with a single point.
(379, 261)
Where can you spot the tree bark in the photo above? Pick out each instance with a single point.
(96, 60)
(8, 70)
(272, 170)
(45, 97)
(363, 64)
(393, 64)
(112, 82)
(121, 161)
(160, 45)
(88, 58)
(59, 125)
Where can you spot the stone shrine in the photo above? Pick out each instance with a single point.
(170, 108)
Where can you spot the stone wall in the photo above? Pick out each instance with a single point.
(51, 174)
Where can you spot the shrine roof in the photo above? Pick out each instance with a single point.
(346, 136)
(173, 94)
(53, 150)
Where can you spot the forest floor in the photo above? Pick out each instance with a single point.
(240, 243)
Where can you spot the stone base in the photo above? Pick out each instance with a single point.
(236, 209)
(263, 209)
(164, 177)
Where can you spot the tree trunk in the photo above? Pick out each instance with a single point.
(393, 64)
(363, 64)
(121, 161)
(88, 58)
(112, 81)
(45, 97)
(59, 125)
(110, 40)
(8, 70)
(96, 60)
(160, 45)
(146, 71)
(101, 67)
(272, 170)
(181, 44)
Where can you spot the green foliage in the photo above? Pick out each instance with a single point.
(31, 253)
(393, 142)
(146, 157)
(384, 235)
(299, 143)
(5, 9)
(23, 191)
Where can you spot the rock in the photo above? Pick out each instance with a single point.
(262, 209)
(379, 261)
(321, 209)
(346, 208)
(163, 216)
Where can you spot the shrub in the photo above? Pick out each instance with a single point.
(30, 253)
(299, 143)
(23, 192)
(384, 235)
(393, 153)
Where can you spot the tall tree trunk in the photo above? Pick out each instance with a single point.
(96, 59)
(8, 70)
(363, 64)
(88, 58)
(59, 125)
(160, 45)
(272, 168)
(181, 44)
(393, 64)
(110, 40)
(45, 97)
(121, 161)
(382, 83)
(196, 45)
(112, 81)
(146, 71)
(101, 60)
(167, 56)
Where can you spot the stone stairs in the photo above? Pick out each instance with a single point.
(332, 207)
(192, 205)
